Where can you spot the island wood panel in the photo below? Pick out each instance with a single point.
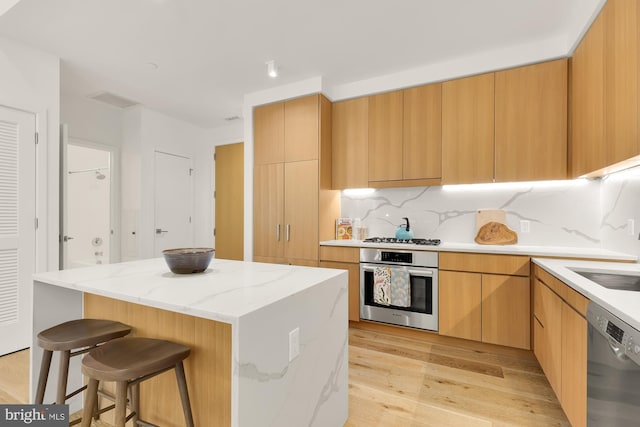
(208, 367)
(531, 122)
(354, 285)
(515, 265)
(422, 135)
(268, 133)
(460, 305)
(621, 80)
(301, 210)
(588, 151)
(547, 342)
(350, 142)
(385, 136)
(268, 201)
(574, 366)
(468, 116)
(506, 310)
(301, 128)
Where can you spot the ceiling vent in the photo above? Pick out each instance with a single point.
(114, 100)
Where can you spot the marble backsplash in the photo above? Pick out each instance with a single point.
(578, 213)
(620, 198)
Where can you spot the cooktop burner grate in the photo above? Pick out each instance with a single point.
(425, 242)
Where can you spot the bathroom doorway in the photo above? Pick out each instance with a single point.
(88, 235)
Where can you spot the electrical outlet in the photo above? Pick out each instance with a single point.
(525, 226)
(294, 344)
(631, 227)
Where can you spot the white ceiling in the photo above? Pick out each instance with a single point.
(212, 52)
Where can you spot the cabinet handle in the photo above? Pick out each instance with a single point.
(278, 232)
(288, 231)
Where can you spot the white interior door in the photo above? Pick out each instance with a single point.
(17, 227)
(172, 202)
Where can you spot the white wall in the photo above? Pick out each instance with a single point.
(91, 120)
(30, 80)
(144, 132)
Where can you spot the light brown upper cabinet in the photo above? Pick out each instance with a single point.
(268, 133)
(286, 131)
(468, 130)
(604, 91)
(385, 136)
(301, 129)
(405, 137)
(531, 122)
(621, 79)
(587, 149)
(422, 138)
(350, 136)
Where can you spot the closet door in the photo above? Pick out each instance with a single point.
(17, 227)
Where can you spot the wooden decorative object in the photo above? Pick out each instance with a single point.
(495, 233)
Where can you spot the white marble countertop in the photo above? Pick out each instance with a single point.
(624, 304)
(550, 251)
(226, 291)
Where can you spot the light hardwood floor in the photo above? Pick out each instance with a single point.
(409, 382)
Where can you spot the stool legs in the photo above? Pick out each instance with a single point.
(184, 393)
(135, 402)
(63, 374)
(90, 402)
(44, 375)
(121, 403)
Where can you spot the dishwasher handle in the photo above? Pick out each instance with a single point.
(617, 349)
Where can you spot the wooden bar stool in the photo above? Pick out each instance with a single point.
(129, 361)
(71, 339)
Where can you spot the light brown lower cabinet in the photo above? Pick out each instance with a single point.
(459, 305)
(485, 298)
(345, 259)
(547, 333)
(560, 342)
(574, 366)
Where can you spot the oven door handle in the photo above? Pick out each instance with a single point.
(423, 273)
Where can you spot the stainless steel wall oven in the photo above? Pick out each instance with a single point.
(419, 272)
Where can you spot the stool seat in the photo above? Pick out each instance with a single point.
(129, 358)
(129, 361)
(81, 333)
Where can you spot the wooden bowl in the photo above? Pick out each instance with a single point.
(188, 260)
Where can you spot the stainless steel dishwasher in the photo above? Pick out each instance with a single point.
(613, 370)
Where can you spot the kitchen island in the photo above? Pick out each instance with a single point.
(239, 318)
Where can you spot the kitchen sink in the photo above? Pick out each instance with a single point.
(623, 282)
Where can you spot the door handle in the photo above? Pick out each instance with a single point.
(67, 238)
(288, 232)
(278, 232)
(160, 231)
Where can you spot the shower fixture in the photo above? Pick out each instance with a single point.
(99, 175)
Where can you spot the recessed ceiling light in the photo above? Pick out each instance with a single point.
(272, 71)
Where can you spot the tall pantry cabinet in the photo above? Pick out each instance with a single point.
(292, 180)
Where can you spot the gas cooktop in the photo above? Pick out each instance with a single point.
(425, 242)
